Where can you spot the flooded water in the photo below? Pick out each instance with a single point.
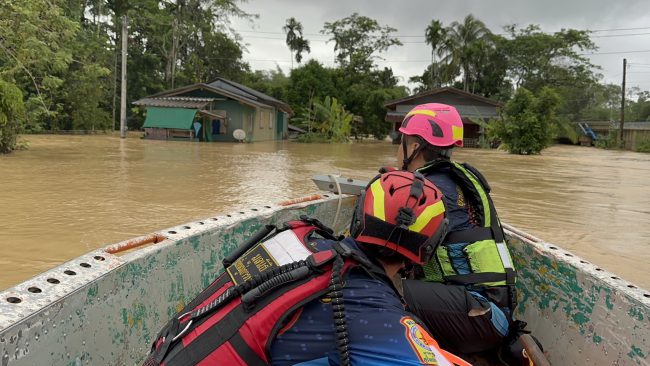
(67, 195)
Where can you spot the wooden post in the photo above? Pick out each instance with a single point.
(125, 35)
(620, 136)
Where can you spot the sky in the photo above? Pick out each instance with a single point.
(621, 29)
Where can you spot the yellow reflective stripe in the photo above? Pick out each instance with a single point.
(481, 192)
(378, 200)
(422, 112)
(427, 215)
(457, 132)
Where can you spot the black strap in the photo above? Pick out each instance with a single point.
(469, 235)
(474, 278)
(245, 352)
(256, 238)
(389, 232)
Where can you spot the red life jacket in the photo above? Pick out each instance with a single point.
(235, 320)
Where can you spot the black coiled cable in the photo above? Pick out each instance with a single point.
(338, 309)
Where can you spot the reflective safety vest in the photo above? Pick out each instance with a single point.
(490, 261)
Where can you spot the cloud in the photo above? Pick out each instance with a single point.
(410, 17)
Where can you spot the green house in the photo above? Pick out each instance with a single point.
(213, 112)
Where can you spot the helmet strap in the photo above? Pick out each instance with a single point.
(408, 159)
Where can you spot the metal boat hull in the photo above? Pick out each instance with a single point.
(107, 308)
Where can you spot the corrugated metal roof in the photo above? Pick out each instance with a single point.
(227, 88)
(246, 92)
(175, 102)
(447, 89)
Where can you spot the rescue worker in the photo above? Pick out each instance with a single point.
(399, 220)
(466, 293)
(319, 300)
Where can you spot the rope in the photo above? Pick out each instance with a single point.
(338, 207)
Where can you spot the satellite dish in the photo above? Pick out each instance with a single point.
(239, 134)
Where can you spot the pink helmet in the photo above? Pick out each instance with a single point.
(438, 124)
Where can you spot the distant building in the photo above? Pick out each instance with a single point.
(471, 107)
(213, 111)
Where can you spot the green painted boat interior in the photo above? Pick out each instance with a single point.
(106, 309)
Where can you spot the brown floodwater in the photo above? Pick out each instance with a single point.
(67, 195)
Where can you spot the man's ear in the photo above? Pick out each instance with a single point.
(413, 146)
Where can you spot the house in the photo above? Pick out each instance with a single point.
(471, 108)
(213, 111)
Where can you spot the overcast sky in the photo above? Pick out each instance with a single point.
(267, 49)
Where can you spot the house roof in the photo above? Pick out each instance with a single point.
(393, 103)
(174, 102)
(295, 128)
(232, 90)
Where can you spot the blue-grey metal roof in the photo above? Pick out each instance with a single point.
(246, 92)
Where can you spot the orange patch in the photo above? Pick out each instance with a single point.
(420, 341)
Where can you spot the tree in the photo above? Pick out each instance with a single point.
(11, 114)
(295, 41)
(357, 38)
(434, 36)
(308, 82)
(460, 47)
(537, 59)
(529, 123)
(33, 53)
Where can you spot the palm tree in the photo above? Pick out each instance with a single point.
(460, 44)
(435, 36)
(295, 41)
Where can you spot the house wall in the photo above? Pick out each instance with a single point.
(258, 123)
(265, 123)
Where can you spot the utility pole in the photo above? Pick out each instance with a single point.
(620, 132)
(125, 36)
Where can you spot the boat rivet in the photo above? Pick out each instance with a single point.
(36, 338)
(65, 335)
(70, 316)
(53, 326)
(45, 331)
(83, 343)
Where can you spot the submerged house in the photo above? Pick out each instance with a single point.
(213, 112)
(471, 108)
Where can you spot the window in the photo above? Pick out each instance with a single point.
(270, 119)
(260, 115)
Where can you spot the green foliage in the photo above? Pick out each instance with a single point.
(643, 145)
(529, 122)
(356, 38)
(330, 121)
(11, 114)
(296, 43)
(608, 142)
(463, 45)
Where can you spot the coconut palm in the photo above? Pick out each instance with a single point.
(295, 41)
(435, 35)
(460, 45)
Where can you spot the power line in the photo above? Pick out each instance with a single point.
(613, 52)
(621, 35)
(422, 36)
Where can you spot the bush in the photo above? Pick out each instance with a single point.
(313, 137)
(11, 113)
(643, 145)
(610, 141)
(529, 123)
